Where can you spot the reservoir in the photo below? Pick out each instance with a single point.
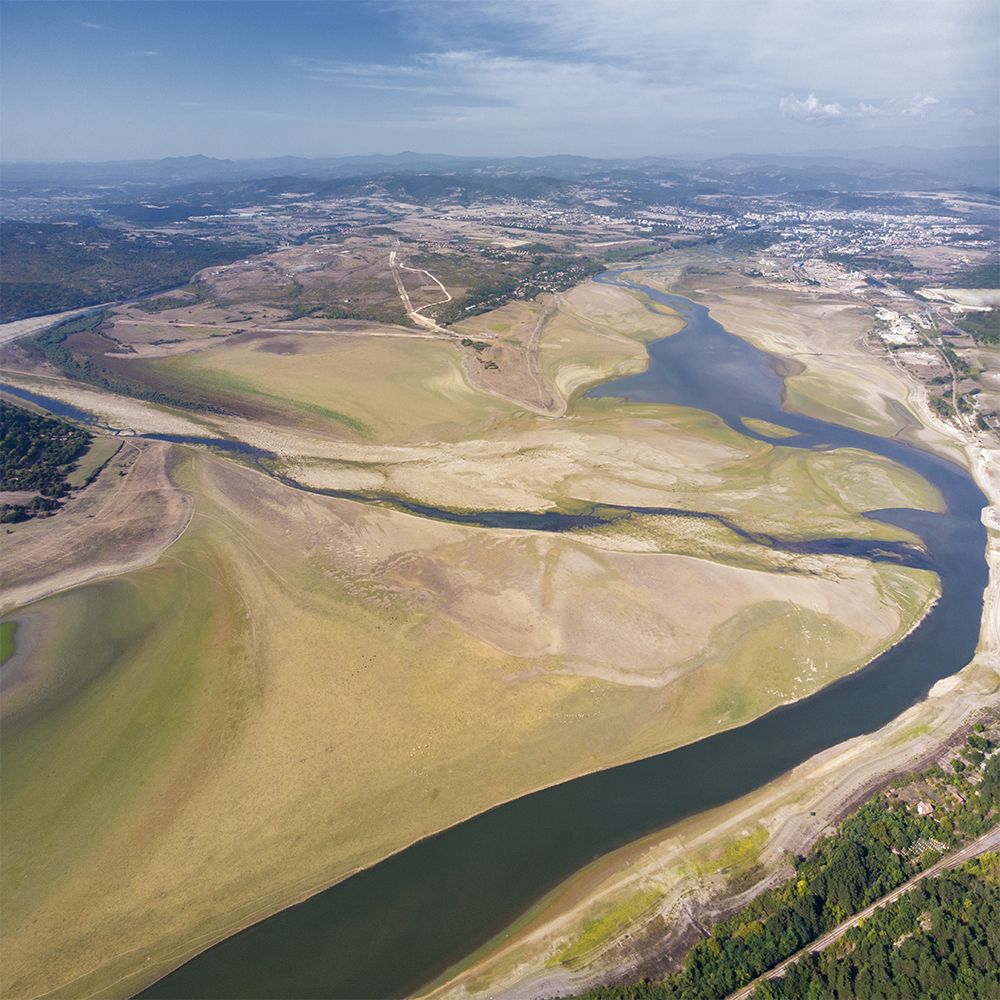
(397, 926)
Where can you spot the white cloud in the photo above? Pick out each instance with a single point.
(143, 53)
(728, 62)
(409, 77)
(652, 75)
(917, 108)
(492, 89)
(811, 109)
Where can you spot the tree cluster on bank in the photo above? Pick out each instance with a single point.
(58, 346)
(36, 453)
(546, 274)
(890, 839)
(984, 327)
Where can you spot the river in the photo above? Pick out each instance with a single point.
(399, 925)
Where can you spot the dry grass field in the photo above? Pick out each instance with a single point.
(358, 387)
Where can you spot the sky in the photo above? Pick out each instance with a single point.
(139, 80)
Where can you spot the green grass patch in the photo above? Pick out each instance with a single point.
(226, 382)
(913, 732)
(736, 858)
(97, 731)
(8, 641)
(609, 924)
(101, 451)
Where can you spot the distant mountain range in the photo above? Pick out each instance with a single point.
(927, 168)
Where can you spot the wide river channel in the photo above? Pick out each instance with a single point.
(399, 925)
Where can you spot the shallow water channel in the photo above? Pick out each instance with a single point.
(399, 925)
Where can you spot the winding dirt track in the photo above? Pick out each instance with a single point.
(417, 314)
(987, 842)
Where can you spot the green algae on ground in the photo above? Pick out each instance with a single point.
(8, 641)
(607, 926)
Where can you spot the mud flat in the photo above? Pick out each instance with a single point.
(207, 662)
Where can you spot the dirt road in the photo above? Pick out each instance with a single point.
(987, 842)
(416, 314)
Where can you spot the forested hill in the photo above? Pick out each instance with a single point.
(50, 267)
(37, 451)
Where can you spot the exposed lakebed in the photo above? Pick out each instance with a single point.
(400, 924)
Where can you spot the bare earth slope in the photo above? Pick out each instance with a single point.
(124, 521)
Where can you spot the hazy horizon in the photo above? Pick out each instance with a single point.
(819, 154)
(87, 82)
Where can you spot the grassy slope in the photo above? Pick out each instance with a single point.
(8, 641)
(101, 451)
(379, 389)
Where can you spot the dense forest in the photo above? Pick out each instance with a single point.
(49, 267)
(940, 941)
(36, 453)
(887, 841)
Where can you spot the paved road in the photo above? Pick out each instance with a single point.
(987, 842)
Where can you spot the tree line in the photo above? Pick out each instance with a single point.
(940, 941)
